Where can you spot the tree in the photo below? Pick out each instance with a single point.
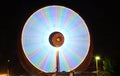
(107, 67)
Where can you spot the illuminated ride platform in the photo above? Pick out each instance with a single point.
(55, 41)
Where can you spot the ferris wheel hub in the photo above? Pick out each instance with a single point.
(56, 39)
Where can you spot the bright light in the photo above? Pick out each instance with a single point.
(3, 74)
(97, 58)
(56, 49)
(37, 30)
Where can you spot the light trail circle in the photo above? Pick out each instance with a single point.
(35, 39)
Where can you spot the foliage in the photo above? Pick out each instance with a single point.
(107, 67)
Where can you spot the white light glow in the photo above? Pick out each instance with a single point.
(35, 39)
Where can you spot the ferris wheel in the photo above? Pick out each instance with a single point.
(55, 39)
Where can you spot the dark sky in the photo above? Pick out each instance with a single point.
(100, 16)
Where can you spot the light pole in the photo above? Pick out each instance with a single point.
(97, 58)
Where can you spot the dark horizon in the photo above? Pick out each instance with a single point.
(100, 16)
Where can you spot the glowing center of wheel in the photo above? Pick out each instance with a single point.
(56, 39)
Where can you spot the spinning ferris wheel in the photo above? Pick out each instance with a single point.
(55, 39)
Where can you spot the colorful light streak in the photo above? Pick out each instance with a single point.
(35, 39)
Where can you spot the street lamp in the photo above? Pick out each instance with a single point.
(97, 58)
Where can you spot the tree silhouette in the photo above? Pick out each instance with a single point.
(107, 67)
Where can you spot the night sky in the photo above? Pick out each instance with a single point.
(100, 16)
